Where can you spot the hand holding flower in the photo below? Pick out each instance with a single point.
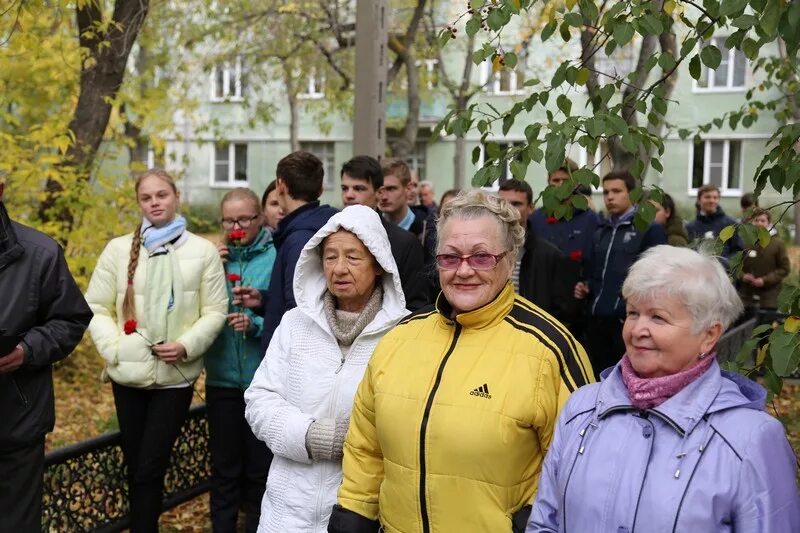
(170, 352)
(239, 322)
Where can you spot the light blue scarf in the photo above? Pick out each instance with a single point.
(155, 238)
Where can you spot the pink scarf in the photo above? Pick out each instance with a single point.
(646, 393)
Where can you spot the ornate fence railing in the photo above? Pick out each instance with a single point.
(86, 489)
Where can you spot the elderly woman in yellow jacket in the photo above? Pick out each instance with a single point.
(458, 405)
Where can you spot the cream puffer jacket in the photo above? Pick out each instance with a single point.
(304, 377)
(197, 317)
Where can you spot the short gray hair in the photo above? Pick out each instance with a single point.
(426, 183)
(695, 279)
(474, 204)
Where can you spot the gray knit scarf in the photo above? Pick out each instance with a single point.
(346, 326)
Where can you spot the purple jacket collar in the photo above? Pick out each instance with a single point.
(714, 391)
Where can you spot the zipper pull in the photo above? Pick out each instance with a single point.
(340, 366)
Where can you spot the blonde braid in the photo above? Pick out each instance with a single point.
(129, 302)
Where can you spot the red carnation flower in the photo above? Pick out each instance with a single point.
(129, 327)
(576, 255)
(237, 235)
(551, 220)
(233, 278)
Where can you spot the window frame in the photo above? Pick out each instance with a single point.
(314, 88)
(724, 189)
(329, 166)
(231, 181)
(490, 81)
(238, 86)
(731, 65)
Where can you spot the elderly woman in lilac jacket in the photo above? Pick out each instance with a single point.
(668, 442)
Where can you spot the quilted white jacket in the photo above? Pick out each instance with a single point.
(201, 302)
(300, 380)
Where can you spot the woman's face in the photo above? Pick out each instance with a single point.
(659, 337)
(466, 288)
(350, 269)
(273, 213)
(157, 200)
(241, 215)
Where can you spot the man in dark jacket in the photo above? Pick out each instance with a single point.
(541, 272)
(299, 178)
(42, 319)
(711, 219)
(617, 245)
(361, 179)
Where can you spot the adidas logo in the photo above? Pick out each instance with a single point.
(482, 391)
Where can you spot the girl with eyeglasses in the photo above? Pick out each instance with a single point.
(158, 297)
(458, 404)
(239, 461)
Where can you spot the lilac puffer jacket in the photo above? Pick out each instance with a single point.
(708, 459)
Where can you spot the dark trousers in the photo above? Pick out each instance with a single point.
(239, 462)
(21, 472)
(604, 342)
(150, 421)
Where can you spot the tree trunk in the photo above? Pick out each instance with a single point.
(102, 73)
(291, 97)
(459, 172)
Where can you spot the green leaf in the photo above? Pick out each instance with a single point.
(476, 4)
(510, 59)
(711, 56)
(749, 234)
(788, 299)
(660, 106)
(444, 38)
(694, 67)
(618, 125)
(548, 30)
(745, 354)
(554, 153)
(518, 169)
(687, 46)
(651, 24)
(574, 19)
(565, 34)
(763, 237)
(579, 202)
(744, 22)
(478, 56)
(473, 26)
(564, 104)
(772, 382)
(784, 348)
(476, 155)
(582, 76)
(495, 19)
(558, 77)
(729, 7)
(727, 233)
(750, 48)
(666, 61)
(623, 33)
(770, 18)
(656, 164)
(532, 132)
(777, 177)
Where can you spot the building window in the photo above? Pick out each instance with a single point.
(228, 81)
(729, 75)
(313, 87)
(717, 163)
(230, 165)
(416, 159)
(326, 153)
(505, 81)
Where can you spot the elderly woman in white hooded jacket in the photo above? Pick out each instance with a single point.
(348, 296)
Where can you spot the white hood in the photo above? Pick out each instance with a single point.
(309, 277)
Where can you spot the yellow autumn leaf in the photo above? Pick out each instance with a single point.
(792, 324)
(726, 233)
(497, 63)
(669, 7)
(517, 4)
(761, 354)
(570, 3)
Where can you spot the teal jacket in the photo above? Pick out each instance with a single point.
(233, 358)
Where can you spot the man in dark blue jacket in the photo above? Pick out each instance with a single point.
(42, 319)
(298, 183)
(711, 219)
(617, 245)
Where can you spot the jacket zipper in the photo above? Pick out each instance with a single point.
(19, 391)
(569, 476)
(605, 266)
(426, 526)
(669, 421)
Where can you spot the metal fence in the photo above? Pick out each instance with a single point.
(86, 489)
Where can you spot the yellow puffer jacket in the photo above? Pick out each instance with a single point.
(452, 419)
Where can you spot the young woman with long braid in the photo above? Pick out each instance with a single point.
(172, 284)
